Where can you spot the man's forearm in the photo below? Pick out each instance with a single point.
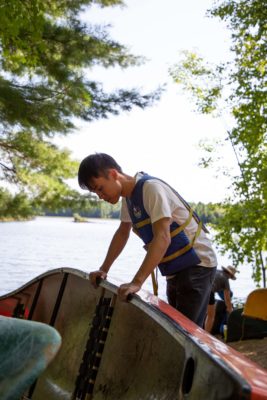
(227, 299)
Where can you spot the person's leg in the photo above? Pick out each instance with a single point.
(171, 291)
(193, 286)
(211, 311)
(210, 317)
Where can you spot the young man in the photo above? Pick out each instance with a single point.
(173, 236)
(220, 284)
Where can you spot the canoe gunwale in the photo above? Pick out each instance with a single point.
(71, 271)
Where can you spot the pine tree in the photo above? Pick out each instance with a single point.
(46, 57)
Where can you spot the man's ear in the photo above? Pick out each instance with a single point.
(113, 173)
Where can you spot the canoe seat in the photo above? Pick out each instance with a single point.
(256, 305)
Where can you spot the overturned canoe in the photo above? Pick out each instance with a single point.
(256, 304)
(143, 349)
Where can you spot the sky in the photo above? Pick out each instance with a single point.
(161, 140)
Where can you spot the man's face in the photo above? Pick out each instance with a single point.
(107, 188)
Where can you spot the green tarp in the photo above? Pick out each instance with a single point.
(26, 348)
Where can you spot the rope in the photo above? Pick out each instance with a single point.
(154, 277)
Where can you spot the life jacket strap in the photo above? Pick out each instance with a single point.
(183, 226)
(154, 277)
(173, 233)
(184, 249)
(142, 223)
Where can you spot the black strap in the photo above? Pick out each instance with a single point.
(94, 348)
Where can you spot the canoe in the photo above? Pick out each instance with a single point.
(141, 349)
(256, 304)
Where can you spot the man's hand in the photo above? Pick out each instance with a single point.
(126, 289)
(96, 274)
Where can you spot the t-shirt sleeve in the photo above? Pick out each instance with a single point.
(157, 201)
(227, 284)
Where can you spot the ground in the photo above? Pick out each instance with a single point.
(255, 349)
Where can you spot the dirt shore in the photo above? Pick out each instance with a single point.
(255, 349)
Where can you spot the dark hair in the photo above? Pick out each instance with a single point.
(94, 166)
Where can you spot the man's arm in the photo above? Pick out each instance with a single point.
(156, 250)
(227, 299)
(116, 246)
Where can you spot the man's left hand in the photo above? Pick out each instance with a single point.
(127, 288)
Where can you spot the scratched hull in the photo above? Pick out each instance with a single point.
(143, 349)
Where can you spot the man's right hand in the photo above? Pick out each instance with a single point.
(96, 274)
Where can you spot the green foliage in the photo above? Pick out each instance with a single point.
(88, 207)
(109, 210)
(199, 79)
(14, 207)
(98, 209)
(208, 213)
(31, 30)
(46, 58)
(37, 167)
(241, 230)
(94, 208)
(85, 206)
(242, 92)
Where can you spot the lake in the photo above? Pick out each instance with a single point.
(27, 249)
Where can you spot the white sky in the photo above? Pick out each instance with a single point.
(162, 140)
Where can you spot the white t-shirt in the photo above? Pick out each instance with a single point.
(160, 202)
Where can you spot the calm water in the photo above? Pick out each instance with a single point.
(28, 249)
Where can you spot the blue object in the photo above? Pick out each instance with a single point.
(221, 294)
(26, 348)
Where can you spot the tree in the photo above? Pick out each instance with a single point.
(238, 88)
(46, 58)
(208, 213)
(17, 206)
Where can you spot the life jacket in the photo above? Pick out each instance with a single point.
(180, 253)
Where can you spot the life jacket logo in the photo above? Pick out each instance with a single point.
(137, 212)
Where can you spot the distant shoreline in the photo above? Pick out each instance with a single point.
(84, 219)
(10, 219)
